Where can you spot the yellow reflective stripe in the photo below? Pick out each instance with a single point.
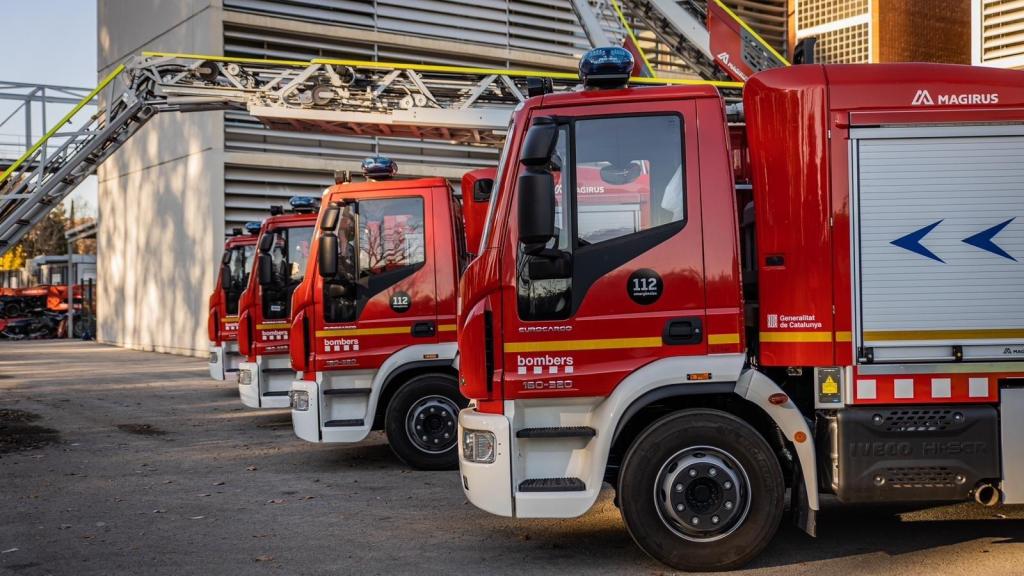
(228, 319)
(447, 328)
(629, 30)
(844, 336)
(567, 345)
(444, 69)
(716, 339)
(67, 118)
(227, 58)
(796, 336)
(278, 326)
(992, 334)
(752, 32)
(364, 331)
(686, 82)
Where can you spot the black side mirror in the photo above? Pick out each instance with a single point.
(537, 186)
(536, 210)
(266, 243)
(266, 266)
(225, 277)
(539, 145)
(327, 256)
(482, 190)
(330, 219)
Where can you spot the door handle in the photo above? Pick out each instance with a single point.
(423, 330)
(683, 331)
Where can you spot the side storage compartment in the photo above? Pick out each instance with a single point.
(913, 453)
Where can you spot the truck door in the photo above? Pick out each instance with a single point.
(382, 297)
(622, 284)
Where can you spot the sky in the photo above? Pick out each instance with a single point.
(47, 42)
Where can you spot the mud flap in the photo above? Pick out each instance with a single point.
(804, 517)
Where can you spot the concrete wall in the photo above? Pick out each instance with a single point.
(161, 205)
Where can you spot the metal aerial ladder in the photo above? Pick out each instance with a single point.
(453, 103)
(707, 36)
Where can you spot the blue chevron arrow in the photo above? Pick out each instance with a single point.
(984, 240)
(912, 242)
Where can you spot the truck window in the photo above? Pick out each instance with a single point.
(627, 176)
(239, 266)
(288, 258)
(626, 185)
(379, 242)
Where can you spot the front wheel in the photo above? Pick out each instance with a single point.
(422, 422)
(701, 490)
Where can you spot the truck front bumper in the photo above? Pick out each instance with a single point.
(306, 423)
(256, 385)
(488, 485)
(216, 362)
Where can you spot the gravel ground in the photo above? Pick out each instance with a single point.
(116, 461)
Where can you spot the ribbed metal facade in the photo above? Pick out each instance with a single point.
(548, 26)
(998, 30)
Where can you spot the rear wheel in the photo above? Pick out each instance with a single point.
(701, 490)
(422, 422)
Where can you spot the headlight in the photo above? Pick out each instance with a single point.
(213, 357)
(245, 377)
(478, 446)
(299, 400)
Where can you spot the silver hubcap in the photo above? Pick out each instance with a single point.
(702, 493)
(431, 424)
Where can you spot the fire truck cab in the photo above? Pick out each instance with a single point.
(222, 321)
(875, 351)
(373, 334)
(282, 252)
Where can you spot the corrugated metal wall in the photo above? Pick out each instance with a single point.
(549, 26)
(1000, 24)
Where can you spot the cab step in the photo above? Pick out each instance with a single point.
(347, 391)
(276, 393)
(557, 432)
(552, 485)
(278, 370)
(351, 423)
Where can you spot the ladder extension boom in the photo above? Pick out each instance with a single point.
(352, 97)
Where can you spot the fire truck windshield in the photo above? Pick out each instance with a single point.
(239, 265)
(379, 243)
(288, 256)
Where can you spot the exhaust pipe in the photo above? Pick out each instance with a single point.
(987, 495)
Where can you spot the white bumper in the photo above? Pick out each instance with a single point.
(216, 362)
(312, 425)
(488, 486)
(226, 362)
(264, 383)
(306, 423)
(249, 393)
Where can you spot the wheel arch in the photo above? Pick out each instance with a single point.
(664, 400)
(402, 374)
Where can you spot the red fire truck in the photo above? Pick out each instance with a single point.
(222, 322)
(858, 330)
(282, 251)
(373, 331)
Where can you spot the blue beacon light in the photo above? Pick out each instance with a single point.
(608, 67)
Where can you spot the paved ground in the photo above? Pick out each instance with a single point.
(150, 467)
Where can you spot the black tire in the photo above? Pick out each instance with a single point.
(656, 491)
(432, 402)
